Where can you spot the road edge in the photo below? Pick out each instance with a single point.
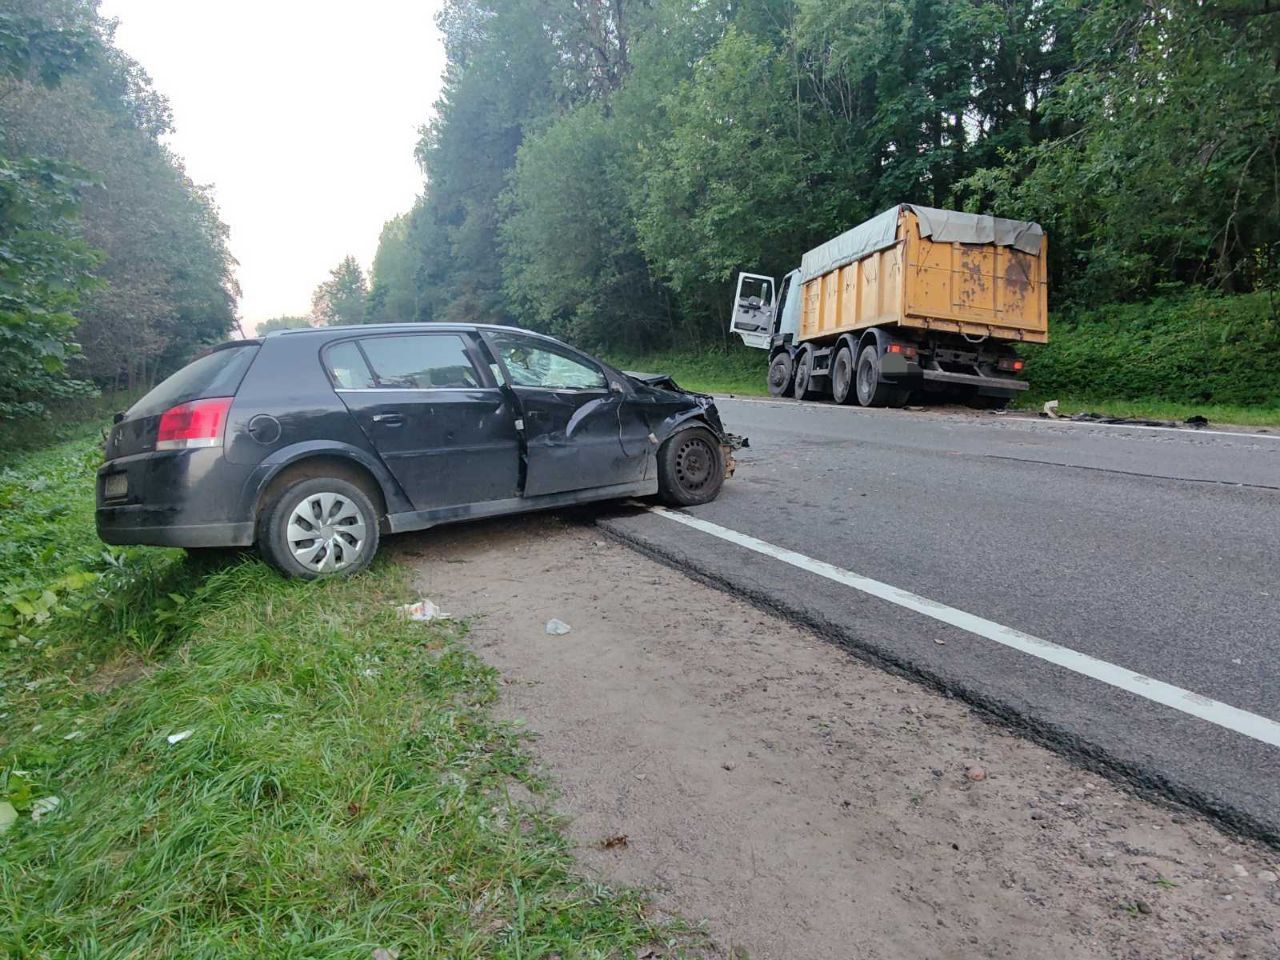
(1094, 757)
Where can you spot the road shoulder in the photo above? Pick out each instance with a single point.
(800, 801)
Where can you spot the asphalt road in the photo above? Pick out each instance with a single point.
(1157, 552)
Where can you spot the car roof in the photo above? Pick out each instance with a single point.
(396, 327)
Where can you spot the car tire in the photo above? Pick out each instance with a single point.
(690, 468)
(343, 546)
(782, 371)
(871, 392)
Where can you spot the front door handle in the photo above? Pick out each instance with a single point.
(389, 419)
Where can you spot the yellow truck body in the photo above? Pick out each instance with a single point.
(976, 289)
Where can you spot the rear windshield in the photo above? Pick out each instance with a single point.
(216, 374)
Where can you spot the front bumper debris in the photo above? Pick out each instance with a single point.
(731, 443)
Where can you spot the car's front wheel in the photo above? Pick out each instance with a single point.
(317, 527)
(690, 468)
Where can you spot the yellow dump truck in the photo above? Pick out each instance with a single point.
(915, 301)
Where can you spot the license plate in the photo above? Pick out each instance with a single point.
(116, 486)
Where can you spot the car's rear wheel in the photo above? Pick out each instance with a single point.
(690, 468)
(319, 527)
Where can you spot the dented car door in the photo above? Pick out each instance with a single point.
(579, 430)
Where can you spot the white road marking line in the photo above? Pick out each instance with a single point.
(1036, 421)
(1220, 714)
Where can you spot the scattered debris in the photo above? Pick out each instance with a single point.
(7, 815)
(975, 772)
(557, 628)
(386, 953)
(422, 611)
(179, 736)
(618, 841)
(939, 641)
(42, 806)
(727, 766)
(74, 735)
(1050, 409)
(1196, 421)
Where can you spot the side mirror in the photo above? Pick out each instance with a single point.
(616, 387)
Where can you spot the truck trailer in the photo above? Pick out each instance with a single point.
(913, 302)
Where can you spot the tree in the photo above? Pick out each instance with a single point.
(392, 291)
(162, 271)
(342, 298)
(282, 323)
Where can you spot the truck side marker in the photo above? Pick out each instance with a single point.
(1220, 714)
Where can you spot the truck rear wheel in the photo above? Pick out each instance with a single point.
(842, 375)
(804, 376)
(871, 392)
(782, 372)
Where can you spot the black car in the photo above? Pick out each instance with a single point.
(311, 443)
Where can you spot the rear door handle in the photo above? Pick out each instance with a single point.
(389, 419)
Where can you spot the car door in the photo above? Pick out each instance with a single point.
(579, 429)
(435, 415)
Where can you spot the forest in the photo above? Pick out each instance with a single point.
(601, 169)
(114, 265)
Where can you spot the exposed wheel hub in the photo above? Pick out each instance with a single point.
(695, 464)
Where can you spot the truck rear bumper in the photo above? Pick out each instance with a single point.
(989, 386)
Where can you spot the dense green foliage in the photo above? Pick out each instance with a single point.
(113, 264)
(602, 168)
(1204, 349)
(344, 786)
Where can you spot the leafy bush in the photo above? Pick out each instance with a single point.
(1189, 349)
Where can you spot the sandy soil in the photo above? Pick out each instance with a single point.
(805, 805)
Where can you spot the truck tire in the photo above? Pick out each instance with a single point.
(782, 372)
(842, 376)
(804, 376)
(690, 468)
(871, 391)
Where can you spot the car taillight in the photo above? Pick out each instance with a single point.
(195, 424)
(906, 349)
(1014, 364)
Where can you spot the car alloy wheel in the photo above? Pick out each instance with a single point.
(327, 532)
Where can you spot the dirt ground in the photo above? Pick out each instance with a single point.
(801, 804)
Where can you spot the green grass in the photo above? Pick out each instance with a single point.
(738, 370)
(67, 420)
(345, 786)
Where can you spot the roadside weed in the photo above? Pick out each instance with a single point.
(343, 786)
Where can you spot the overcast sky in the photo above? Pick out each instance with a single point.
(302, 114)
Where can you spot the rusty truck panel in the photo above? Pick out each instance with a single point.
(981, 290)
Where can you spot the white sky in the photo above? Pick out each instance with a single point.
(302, 114)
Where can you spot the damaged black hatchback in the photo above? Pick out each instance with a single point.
(312, 443)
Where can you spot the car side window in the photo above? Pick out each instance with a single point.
(346, 366)
(535, 363)
(420, 362)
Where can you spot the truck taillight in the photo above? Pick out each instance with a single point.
(195, 424)
(1012, 364)
(906, 349)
